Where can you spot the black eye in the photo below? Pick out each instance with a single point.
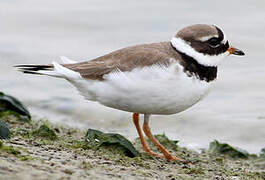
(214, 42)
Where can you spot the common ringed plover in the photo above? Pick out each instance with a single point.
(158, 78)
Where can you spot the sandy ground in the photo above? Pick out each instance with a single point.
(29, 156)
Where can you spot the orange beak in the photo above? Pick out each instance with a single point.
(235, 51)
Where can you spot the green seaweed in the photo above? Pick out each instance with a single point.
(12, 116)
(9, 149)
(45, 132)
(226, 149)
(97, 138)
(9, 103)
(77, 144)
(4, 130)
(26, 158)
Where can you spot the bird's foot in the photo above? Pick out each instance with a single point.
(152, 153)
(168, 157)
(174, 158)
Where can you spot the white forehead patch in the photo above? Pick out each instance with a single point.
(206, 38)
(201, 58)
(225, 39)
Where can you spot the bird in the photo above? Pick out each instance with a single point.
(161, 78)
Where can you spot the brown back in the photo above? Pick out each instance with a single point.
(126, 60)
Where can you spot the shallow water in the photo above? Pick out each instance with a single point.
(41, 31)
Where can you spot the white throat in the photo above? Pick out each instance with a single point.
(201, 58)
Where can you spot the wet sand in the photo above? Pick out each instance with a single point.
(29, 156)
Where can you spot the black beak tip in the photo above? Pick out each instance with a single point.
(238, 52)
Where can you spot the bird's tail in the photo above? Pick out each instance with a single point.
(36, 69)
(55, 69)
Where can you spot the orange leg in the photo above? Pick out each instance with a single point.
(145, 146)
(148, 133)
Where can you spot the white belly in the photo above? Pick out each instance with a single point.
(152, 90)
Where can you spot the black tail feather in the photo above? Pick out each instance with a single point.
(31, 72)
(33, 69)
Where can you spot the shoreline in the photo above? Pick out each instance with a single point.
(62, 154)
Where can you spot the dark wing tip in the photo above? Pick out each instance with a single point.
(29, 68)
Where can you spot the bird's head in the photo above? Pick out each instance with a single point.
(207, 44)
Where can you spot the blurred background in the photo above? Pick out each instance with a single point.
(38, 32)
